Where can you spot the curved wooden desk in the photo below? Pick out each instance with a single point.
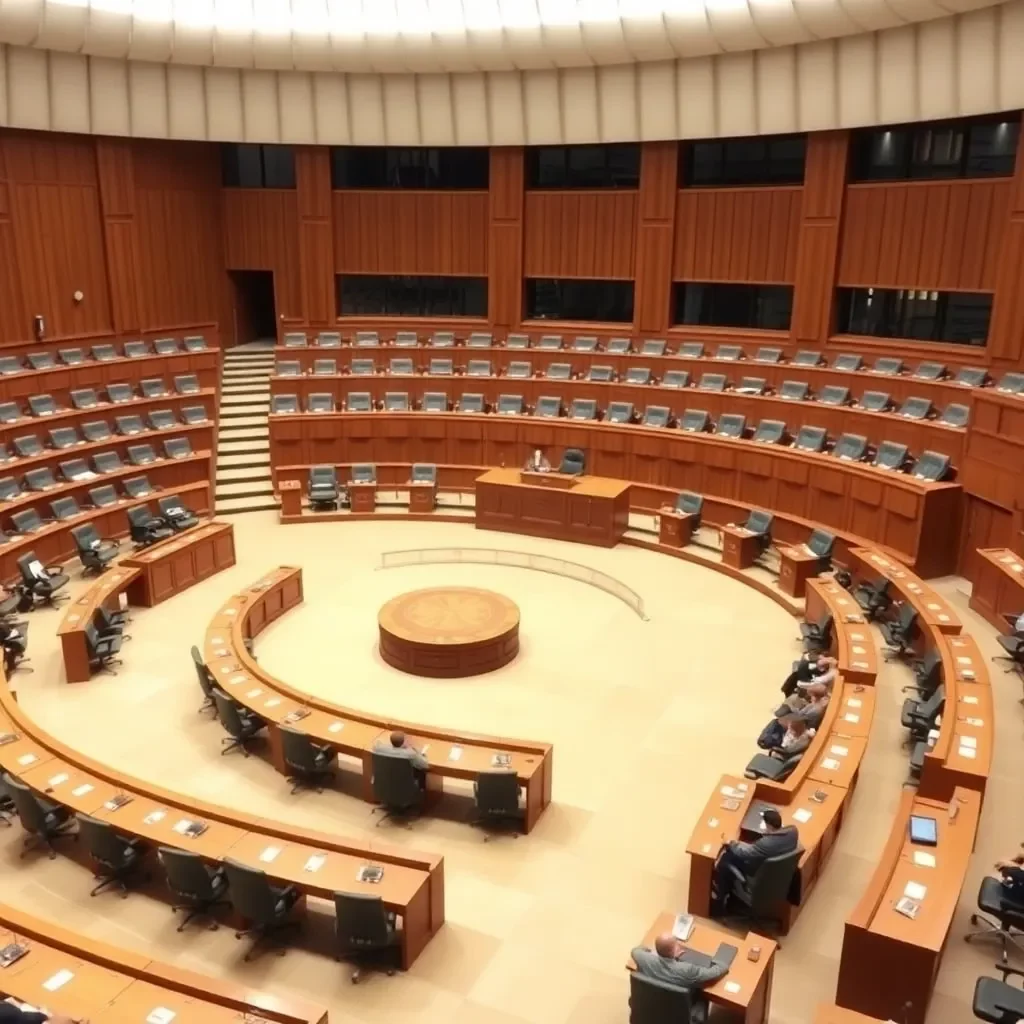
(913, 519)
(345, 730)
(412, 886)
(120, 986)
(889, 960)
(998, 589)
(831, 1014)
(104, 593)
(853, 644)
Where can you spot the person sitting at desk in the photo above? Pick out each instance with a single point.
(1011, 874)
(10, 1013)
(797, 737)
(772, 734)
(814, 711)
(810, 669)
(664, 963)
(396, 745)
(537, 463)
(746, 858)
(14, 642)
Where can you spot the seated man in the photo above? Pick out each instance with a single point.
(537, 463)
(1011, 873)
(814, 711)
(398, 746)
(811, 669)
(663, 963)
(746, 858)
(772, 734)
(797, 737)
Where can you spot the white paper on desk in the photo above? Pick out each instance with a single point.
(730, 792)
(58, 980)
(860, 664)
(26, 759)
(855, 702)
(802, 815)
(270, 854)
(856, 636)
(230, 611)
(57, 779)
(315, 863)
(182, 827)
(240, 678)
(975, 721)
(156, 816)
(455, 753)
(830, 764)
(82, 789)
(838, 750)
(160, 1015)
(969, 741)
(743, 787)
(853, 719)
(732, 986)
(859, 650)
(706, 848)
(924, 860)
(915, 891)
(254, 693)
(963, 661)
(712, 823)
(969, 700)
(932, 607)
(272, 703)
(943, 617)
(969, 752)
(336, 727)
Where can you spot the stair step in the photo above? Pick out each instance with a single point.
(237, 506)
(249, 460)
(243, 489)
(244, 409)
(241, 429)
(257, 391)
(238, 473)
(257, 446)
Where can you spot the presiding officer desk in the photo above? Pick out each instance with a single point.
(889, 961)
(120, 986)
(412, 885)
(998, 590)
(346, 731)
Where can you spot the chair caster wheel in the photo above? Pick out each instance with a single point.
(391, 972)
(974, 919)
(214, 926)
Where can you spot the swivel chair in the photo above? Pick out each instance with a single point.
(691, 504)
(206, 682)
(1008, 914)
(998, 1001)
(656, 1002)
(94, 551)
(239, 723)
(574, 462)
(759, 896)
(873, 598)
(176, 515)
(323, 487)
(117, 860)
(44, 583)
(898, 634)
(310, 763)
(197, 889)
(264, 906)
(364, 931)
(43, 821)
(496, 794)
(144, 528)
(396, 787)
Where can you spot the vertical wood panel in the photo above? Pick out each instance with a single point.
(115, 166)
(656, 208)
(1006, 330)
(505, 237)
(316, 241)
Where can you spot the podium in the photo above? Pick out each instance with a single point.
(798, 565)
(362, 497)
(674, 528)
(422, 496)
(740, 547)
(291, 497)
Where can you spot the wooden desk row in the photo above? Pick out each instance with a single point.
(120, 986)
(998, 589)
(914, 519)
(412, 886)
(347, 731)
(145, 578)
(62, 380)
(853, 644)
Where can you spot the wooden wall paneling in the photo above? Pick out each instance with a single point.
(116, 169)
(1006, 329)
(580, 234)
(737, 234)
(655, 230)
(821, 214)
(985, 526)
(14, 317)
(505, 237)
(316, 234)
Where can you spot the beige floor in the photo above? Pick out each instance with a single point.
(644, 716)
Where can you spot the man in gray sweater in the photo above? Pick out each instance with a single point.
(663, 964)
(398, 746)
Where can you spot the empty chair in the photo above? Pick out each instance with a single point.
(9, 365)
(618, 346)
(9, 488)
(695, 420)
(95, 552)
(638, 375)
(288, 368)
(550, 342)
(730, 352)
(41, 360)
(496, 796)
(917, 408)
(43, 821)
(39, 479)
(322, 487)
(584, 344)
(691, 504)
(470, 402)
(955, 415)
(758, 896)
(752, 386)
(42, 405)
(510, 405)
(284, 403)
(730, 424)
(116, 860)
(931, 466)
(848, 362)
(478, 368)
(128, 425)
(930, 371)
(367, 339)
(602, 373)
(768, 354)
(264, 907)
(480, 339)
(652, 347)
(176, 515)
(1010, 383)
(141, 454)
(657, 416)
(64, 508)
(207, 683)
(241, 724)
(27, 521)
(328, 339)
(822, 543)
(194, 343)
(712, 382)
(136, 350)
(676, 379)
(138, 487)
(363, 473)
(365, 932)
(359, 401)
(186, 384)
(851, 446)
(760, 523)
(194, 414)
(175, 448)
(144, 528)
(653, 1002)
(691, 350)
(423, 473)
(807, 357)
(517, 341)
(440, 367)
(27, 446)
(899, 632)
(320, 401)
(295, 339)
(166, 346)
(152, 387)
(574, 462)
(442, 339)
(76, 469)
(520, 369)
(120, 392)
(918, 716)
(811, 439)
(548, 406)
(162, 419)
(107, 462)
(972, 377)
(620, 412)
(875, 401)
(102, 496)
(84, 398)
(63, 437)
(558, 371)
(401, 366)
(890, 455)
(770, 432)
(396, 401)
(43, 582)
(583, 409)
(9, 412)
(434, 401)
(795, 390)
(329, 367)
(888, 365)
(310, 764)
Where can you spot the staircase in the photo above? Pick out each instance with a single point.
(243, 444)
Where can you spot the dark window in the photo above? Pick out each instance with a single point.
(765, 307)
(251, 166)
(959, 317)
(946, 149)
(573, 299)
(583, 166)
(410, 167)
(381, 295)
(765, 160)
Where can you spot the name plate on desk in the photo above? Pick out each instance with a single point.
(558, 481)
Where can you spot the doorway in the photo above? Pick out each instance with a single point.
(255, 313)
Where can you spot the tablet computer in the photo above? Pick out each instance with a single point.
(924, 831)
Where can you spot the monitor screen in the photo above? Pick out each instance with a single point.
(923, 830)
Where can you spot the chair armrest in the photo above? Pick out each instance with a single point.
(290, 892)
(1005, 970)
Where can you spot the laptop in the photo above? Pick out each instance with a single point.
(724, 955)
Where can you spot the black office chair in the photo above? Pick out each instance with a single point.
(323, 487)
(817, 636)
(44, 822)
(396, 787)
(364, 931)
(497, 803)
(144, 528)
(998, 1001)
(117, 860)
(692, 504)
(574, 462)
(898, 634)
(263, 906)
(1008, 926)
(918, 716)
(822, 543)
(176, 515)
(760, 524)
(102, 649)
(758, 897)
(239, 723)
(206, 682)
(656, 1002)
(196, 888)
(94, 551)
(873, 598)
(776, 769)
(927, 673)
(310, 763)
(43, 582)
(1013, 644)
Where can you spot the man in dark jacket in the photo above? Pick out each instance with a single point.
(746, 858)
(11, 1014)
